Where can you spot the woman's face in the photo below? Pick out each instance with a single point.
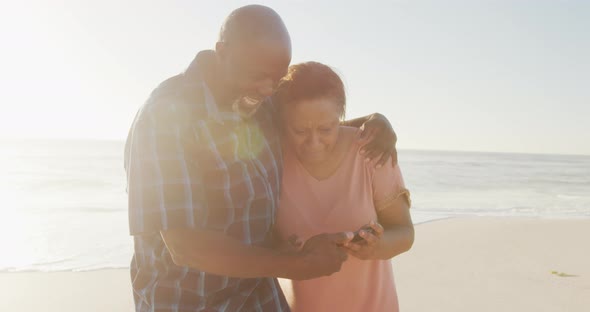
(312, 128)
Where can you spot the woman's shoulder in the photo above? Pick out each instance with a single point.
(349, 137)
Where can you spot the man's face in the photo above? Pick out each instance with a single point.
(252, 70)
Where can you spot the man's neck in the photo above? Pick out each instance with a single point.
(219, 89)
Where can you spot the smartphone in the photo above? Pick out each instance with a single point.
(358, 238)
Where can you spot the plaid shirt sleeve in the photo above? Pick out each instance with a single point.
(164, 181)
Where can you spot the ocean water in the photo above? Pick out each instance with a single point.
(64, 202)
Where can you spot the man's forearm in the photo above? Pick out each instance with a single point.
(214, 252)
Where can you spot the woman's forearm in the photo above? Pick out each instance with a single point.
(396, 240)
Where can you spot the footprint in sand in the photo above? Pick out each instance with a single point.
(562, 274)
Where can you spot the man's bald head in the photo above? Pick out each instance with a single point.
(251, 23)
(253, 53)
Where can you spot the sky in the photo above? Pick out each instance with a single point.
(497, 76)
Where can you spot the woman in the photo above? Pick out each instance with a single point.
(329, 187)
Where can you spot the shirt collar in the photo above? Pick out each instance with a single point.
(194, 78)
(213, 111)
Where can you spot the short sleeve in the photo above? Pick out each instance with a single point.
(388, 186)
(164, 183)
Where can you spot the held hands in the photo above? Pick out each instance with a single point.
(378, 140)
(368, 247)
(321, 255)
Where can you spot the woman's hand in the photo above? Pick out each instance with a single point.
(378, 140)
(368, 248)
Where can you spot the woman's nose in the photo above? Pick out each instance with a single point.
(313, 139)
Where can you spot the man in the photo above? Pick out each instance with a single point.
(203, 162)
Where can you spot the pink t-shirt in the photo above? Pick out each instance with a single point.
(345, 201)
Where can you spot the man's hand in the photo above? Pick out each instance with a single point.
(292, 245)
(322, 255)
(378, 140)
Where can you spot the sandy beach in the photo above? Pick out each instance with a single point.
(104, 290)
(461, 264)
(496, 264)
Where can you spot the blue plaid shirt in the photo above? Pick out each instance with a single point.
(190, 165)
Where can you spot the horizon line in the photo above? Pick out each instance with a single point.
(409, 149)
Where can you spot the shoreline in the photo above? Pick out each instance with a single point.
(456, 264)
(420, 218)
